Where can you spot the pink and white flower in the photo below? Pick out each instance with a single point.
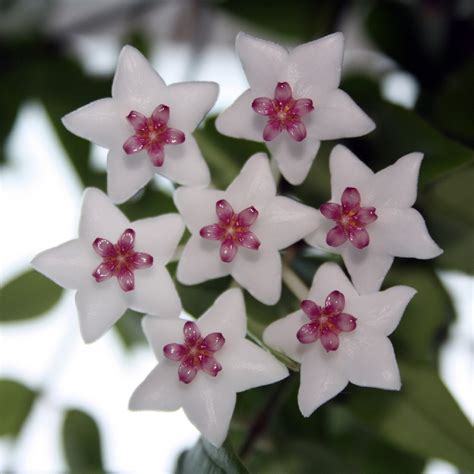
(202, 365)
(146, 126)
(115, 264)
(293, 102)
(375, 221)
(339, 336)
(240, 231)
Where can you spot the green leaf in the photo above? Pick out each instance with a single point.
(81, 442)
(16, 401)
(423, 418)
(129, 329)
(27, 296)
(204, 458)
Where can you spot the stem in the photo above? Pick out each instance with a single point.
(294, 283)
(261, 422)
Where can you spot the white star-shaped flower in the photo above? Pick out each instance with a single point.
(115, 265)
(374, 221)
(203, 365)
(241, 230)
(293, 101)
(339, 336)
(146, 126)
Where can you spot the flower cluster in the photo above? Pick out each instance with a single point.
(339, 334)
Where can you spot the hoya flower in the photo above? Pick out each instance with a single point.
(115, 264)
(240, 231)
(370, 219)
(203, 365)
(146, 126)
(293, 102)
(339, 336)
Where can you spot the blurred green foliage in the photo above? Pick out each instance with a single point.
(363, 430)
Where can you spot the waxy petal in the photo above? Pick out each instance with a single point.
(191, 333)
(137, 120)
(224, 211)
(133, 145)
(247, 217)
(329, 340)
(174, 351)
(308, 333)
(263, 105)
(335, 303)
(186, 371)
(283, 92)
(303, 106)
(296, 130)
(271, 130)
(350, 199)
(103, 272)
(213, 342)
(228, 250)
(366, 215)
(173, 136)
(331, 210)
(104, 247)
(311, 309)
(141, 260)
(336, 236)
(210, 365)
(346, 322)
(212, 232)
(358, 237)
(127, 240)
(161, 115)
(156, 152)
(248, 240)
(126, 280)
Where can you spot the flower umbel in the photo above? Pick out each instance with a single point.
(197, 353)
(351, 220)
(327, 322)
(232, 230)
(152, 134)
(283, 112)
(120, 260)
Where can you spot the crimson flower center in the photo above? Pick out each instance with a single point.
(232, 230)
(351, 220)
(120, 260)
(283, 112)
(195, 353)
(152, 134)
(326, 323)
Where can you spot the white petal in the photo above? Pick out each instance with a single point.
(383, 310)
(184, 164)
(197, 206)
(264, 63)
(99, 122)
(162, 331)
(336, 115)
(281, 335)
(321, 379)
(284, 222)
(254, 185)
(367, 268)
(259, 272)
(158, 236)
(369, 360)
(294, 159)
(245, 365)
(189, 102)
(316, 66)
(226, 315)
(209, 407)
(127, 174)
(69, 265)
(154, 293)
(100, 218)
(241, 121)
(200, 261)
(330, 277)
(135, 81)
(160, 390)
(396, 185)
(403, 233)
(100, 306)
(347, 171)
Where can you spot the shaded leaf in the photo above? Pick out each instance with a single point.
(81, 442)
(16, 401)
(204, 458)
(27, 296)
(129, 329)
